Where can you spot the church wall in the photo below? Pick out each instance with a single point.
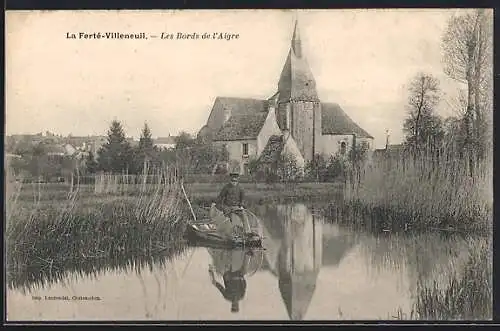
(302, 240)
(330, 144)
(302, 127)
(269, 128)
(235, 151)
(291, 148)
(282, 110)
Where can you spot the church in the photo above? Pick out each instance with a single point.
(292, 121)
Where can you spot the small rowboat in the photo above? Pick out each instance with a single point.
(204, 233)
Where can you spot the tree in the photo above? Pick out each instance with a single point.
(254, 167)
(206, 156)
(468, 56)
(422, 125)
(184, 140)
(316, 168)
(91, 164)
(335, 167)
(288, 170)
(146, 140)
(146, 152)
(116, 155)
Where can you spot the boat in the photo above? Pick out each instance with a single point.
(203, 232)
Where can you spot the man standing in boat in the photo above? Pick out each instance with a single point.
(231, 202)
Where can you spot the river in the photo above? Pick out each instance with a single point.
(312, 269)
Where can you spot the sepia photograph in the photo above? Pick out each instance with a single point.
(249, 165)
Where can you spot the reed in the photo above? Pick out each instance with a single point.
(48, 235)
(37, 276)
(423, 193)
(467, 294)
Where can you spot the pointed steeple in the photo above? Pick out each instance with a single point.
(296, 80)
(296, 43)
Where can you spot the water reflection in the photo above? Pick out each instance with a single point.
(295, 252)
(40, 273)
(311, 268)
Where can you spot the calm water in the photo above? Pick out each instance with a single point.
(311, 269)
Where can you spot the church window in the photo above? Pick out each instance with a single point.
(245, 149)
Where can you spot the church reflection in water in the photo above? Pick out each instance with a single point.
(297, 244)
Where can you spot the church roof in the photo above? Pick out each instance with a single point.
(241, 106)
(241, 127)
(296, 80)
(335, 121)
(272, 150)
(248, 117)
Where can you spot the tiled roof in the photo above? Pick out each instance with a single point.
(335, 121)
(241, 127)
(252, 112)
(273, 149)
(241, 106)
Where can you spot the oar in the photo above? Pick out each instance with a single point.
(189, 202)
(194, 216)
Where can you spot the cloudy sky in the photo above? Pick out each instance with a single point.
(361, 59)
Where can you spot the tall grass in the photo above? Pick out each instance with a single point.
(425, 193)
(50, 235)
(467, 295)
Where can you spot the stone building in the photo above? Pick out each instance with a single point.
(293, 120)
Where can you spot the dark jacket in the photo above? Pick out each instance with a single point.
(231, 195)
(235, 286)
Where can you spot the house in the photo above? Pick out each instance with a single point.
(394, 152)
(293, 120)
(87, 144)
(165, 142)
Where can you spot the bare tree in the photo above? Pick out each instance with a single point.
(467, 53)
(422, 123)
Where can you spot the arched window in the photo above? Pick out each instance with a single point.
(343, 147)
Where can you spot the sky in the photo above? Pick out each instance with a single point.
(361, 59)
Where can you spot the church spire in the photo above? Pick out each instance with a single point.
(296, 80)
(296, 43)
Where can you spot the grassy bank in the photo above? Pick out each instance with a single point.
(402, 194)
(200, 192)
(49, 234)
(421, 195)
(467, 295)
(449, 276)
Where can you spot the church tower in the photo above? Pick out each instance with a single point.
(299, 108)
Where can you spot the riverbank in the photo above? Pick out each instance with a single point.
(418, 195)
(201, 192)
(46, 235)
